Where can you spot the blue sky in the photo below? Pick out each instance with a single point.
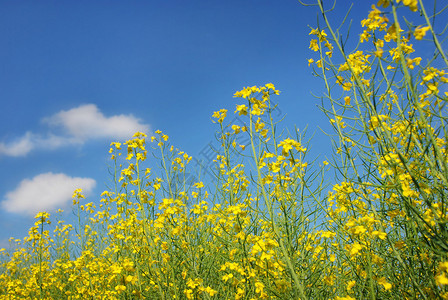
(77, 75)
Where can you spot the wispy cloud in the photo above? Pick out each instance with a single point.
(79, 125)
(87, 122)
(45, 192)
(19, 147)
(29, 141)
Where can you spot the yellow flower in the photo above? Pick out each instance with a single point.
(120, 288)
(391, 33)
(359, 230)
(236, 128)
(355, 249)
(227, 277)
(77, 194)
(330, 49)
(412, 4)
(443, 266)
(259, 287)
(375, 121)
(347, 86)
(271, 87)
(380, 234)
(246, 92)
(256, 110)
(338, 121)
(220, 115)
(188, 293)
(384, 3)
(288, 144)
(117, 145)
(313, 45)
(139, 134)
(387, 286)
(43, 216)
(241, 109)
(210, 291)
(420, 32)
(320, 34)
(347, 100)
(131, 279)
(199, 185)
(364, 37)
(328, 234)
(350, 285)
(442, 279)
(344, 298)
(259, 125)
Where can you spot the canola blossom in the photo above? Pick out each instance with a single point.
(274, 223)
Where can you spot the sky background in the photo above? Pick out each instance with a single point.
(77, 75)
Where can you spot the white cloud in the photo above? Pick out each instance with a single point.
(29, 141)
(79, 124)
(87, 122)
(45, 192)
(19, 147)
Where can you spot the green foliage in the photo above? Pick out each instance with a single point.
(265, 226)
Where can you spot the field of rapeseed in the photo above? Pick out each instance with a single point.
(266, 227)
